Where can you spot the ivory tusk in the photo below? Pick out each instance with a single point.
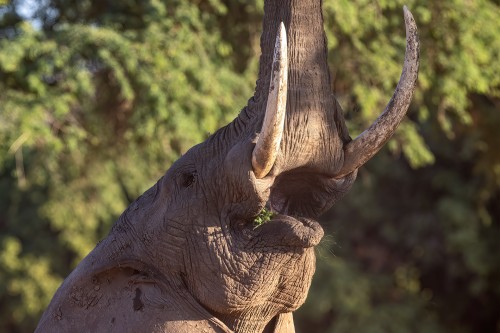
(368, 143)
(268, 143)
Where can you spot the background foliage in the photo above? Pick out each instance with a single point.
(97, 98)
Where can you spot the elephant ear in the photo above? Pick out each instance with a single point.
(268, 143)
(368, 143)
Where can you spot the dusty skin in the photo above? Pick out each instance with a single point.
(185, 256)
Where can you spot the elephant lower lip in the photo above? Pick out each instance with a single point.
(289, 231)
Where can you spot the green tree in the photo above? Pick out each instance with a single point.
(414, 246)
(95, 103)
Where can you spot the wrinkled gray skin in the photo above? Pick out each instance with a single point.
(185, 257)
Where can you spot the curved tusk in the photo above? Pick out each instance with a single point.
(368, 143)
(268, 144)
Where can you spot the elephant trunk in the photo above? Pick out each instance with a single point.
(315, 138)
(313, 135)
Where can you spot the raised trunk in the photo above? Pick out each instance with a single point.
(312, 117)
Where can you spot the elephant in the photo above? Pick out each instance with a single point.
(186, 256)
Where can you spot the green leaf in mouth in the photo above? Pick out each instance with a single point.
(264, 216)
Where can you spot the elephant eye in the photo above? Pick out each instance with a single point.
(188, 179)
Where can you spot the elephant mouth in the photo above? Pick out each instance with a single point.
(298, 197)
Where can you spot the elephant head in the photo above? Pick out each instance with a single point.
(187, 253)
